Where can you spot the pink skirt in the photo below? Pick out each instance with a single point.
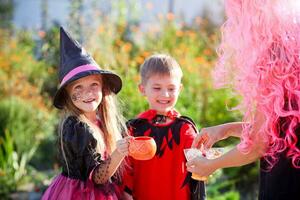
(66, 189)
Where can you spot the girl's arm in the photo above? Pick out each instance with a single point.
(106, 170)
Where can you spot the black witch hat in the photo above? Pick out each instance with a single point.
(76, 63)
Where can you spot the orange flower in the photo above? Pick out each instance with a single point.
(192, 34)
(136, 78)
(127, 47)
(100, 29)
(200, 59)
(119, 42)
(42, 34)
(146, 54)
(207, 52)
(170, 16)
(139, 60)
(16, 58)
(179, 33)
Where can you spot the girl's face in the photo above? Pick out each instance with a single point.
(86, 93)
(161, 92)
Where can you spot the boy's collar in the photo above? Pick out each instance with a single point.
(151, 114)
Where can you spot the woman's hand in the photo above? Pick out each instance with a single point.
(200, 166)
(208, 137)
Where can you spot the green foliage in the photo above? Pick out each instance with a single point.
(49, 53)
(231, 195)
(26, 123)
(133, 101)
(8, 184)
(6, 13)
(12, 164)
(25, 119)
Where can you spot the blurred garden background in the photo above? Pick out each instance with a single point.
(119, 34)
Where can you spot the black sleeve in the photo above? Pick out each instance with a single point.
(197, 190)
(79, 147)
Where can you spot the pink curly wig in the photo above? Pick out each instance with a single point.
(259, 57)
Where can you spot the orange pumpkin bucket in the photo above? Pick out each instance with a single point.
(142, 148)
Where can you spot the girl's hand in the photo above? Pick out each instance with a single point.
(123, 145)
(200, 166)
(208, 137)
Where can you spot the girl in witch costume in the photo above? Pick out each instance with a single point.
(163, 177)
(260, 57)
(90, 143)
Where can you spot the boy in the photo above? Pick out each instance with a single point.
(163, 177)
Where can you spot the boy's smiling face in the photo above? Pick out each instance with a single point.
(161, 92)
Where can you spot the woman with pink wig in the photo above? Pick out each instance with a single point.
(259, 57)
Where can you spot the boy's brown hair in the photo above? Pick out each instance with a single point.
(159, 64)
